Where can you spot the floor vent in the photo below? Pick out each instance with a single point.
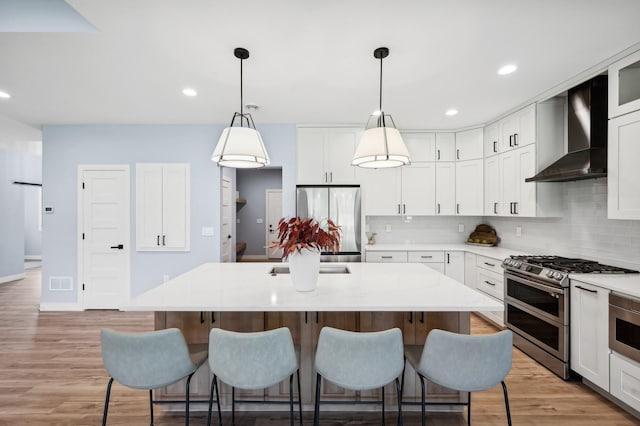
(60, 283)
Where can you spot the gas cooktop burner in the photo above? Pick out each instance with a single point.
(577, 266)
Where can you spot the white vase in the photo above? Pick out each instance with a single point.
(304, 267)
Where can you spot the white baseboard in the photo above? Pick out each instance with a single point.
(33, 257)
(60, 307)
(12, 278)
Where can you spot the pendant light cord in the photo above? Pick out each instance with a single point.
(381, 117)
(241, 102)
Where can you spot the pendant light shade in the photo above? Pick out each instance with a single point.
(241, 146)
(381, 145)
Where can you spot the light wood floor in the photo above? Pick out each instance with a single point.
(51, 374)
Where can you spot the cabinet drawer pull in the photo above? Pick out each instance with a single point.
(587, 289)
(489, 264)
(386, 257)
(426, 257)
(490, 283)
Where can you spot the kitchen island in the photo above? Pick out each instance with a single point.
(371, 296)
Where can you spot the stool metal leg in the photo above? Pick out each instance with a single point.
(151, 405)
(469, 410)
(316, 412)
(106, 402)
(299, 395)
(186, 407)
(506, 401)
(291, 399)
(233, 406)
(214, 389)
(424, 419)
(399, 395)
(383, 416)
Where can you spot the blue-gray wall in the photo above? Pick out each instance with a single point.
(252, 185)
(66, 147)
(11, 215)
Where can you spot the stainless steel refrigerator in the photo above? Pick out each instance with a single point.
(341, 204)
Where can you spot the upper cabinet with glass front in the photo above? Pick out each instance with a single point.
(624, 85)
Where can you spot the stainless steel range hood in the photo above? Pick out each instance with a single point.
(587, 136)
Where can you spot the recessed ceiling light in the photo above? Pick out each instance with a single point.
(507, 69)
(189, 92)
(4, 95)
(451, 112)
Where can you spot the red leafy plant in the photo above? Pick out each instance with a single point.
(296, 234)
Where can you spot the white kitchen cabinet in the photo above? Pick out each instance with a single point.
(469, 144)
(469, 186)
(625, 380)
(408, 190)
(590, 333)
(623, 172)
(624, 85)
(491, 139)
(519, 196)
(454, 265)
(490, 280)
(492, 186)
(518, 129)
(445, 146)
(434, 259)
(162, 207)
(381, 191)
(470, 269)
(418, 189)
(421, 146)
(324, 155)
(445, 188)
(387, 256)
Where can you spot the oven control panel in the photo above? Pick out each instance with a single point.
(532, 270)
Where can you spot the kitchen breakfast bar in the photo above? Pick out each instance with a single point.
(248, 297)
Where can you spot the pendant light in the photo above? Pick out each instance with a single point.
(381, 145)
(241, 146)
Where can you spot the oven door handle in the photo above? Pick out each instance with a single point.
(535, 284)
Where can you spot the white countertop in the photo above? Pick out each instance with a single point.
(493, 252)
(394, 287)
(622, 283)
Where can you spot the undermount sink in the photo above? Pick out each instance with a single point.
(324, 269)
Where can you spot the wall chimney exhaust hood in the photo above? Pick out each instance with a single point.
(586, 133)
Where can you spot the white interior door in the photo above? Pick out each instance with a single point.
(226, 235)
(274, 214)
(103, 232)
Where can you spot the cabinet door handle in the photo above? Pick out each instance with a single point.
(421, 317)
(490, 264)
(490, 283)
(201, 317)
(317, 317)
(306, 317)
(448, 259)
(164, 237)
(158, 240)
(438, 154)
(511, 141)
(438, 208)
(398, 208)
(331, 177)
(457, 154)
(213, 317)
(515, 207)
(119, 247)
(457, 208)
(511, 208)
(410, 317)
(587, 289)
(515, 139)
(495, 146)
(326, 177)
(386, 257)
(495, 208)
(404, 208)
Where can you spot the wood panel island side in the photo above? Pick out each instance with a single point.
(370, 297)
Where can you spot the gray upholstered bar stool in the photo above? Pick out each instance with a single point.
(149, 361)
(464, 363)
(251, 361)
(359, 361)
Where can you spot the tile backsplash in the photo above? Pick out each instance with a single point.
(584, 230)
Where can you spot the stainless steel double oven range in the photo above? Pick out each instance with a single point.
(537, 305)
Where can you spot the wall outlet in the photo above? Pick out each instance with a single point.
(259, 220)
(387, 227)
(461, 227)
(207, 231)
(518, 231)
(165, 278)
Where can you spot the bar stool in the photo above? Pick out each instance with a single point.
(359, 361)
(463, 363)
(148, 361)
(251, 361)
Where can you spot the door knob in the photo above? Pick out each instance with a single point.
(119, 247)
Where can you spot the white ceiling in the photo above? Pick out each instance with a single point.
(311, 61)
